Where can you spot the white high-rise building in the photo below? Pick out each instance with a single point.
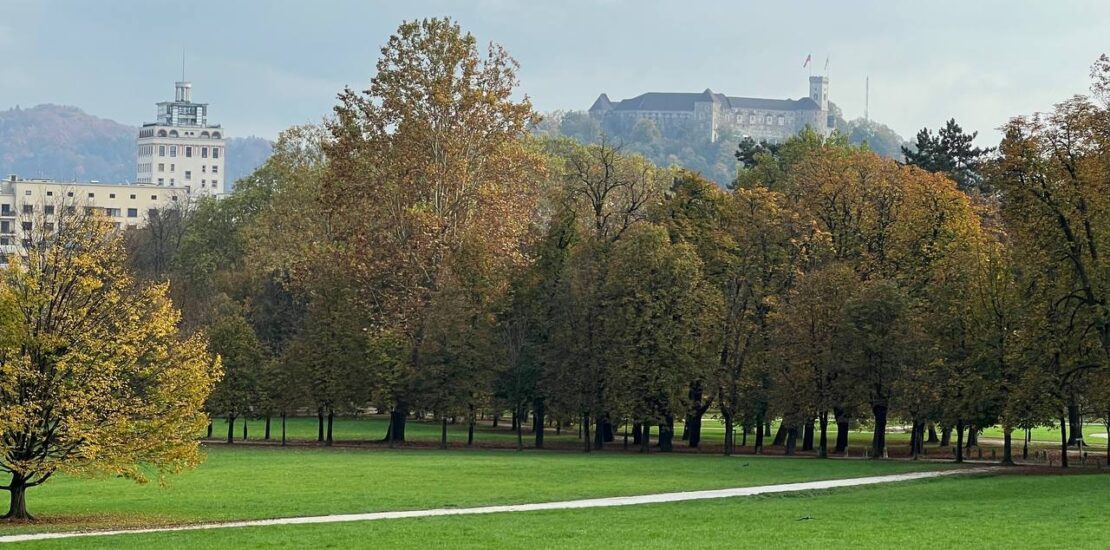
(181, 149)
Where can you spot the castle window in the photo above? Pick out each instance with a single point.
(768, 120)
(751, 119)
(782, 120)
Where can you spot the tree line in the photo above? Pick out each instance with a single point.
(421, 251)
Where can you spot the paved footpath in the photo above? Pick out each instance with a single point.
(559, 505)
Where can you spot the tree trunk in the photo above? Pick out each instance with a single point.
(823, 437)
(744, 436)
(230, 429)
(932, 434)
(693, 429)
(878, 442)
(959, 441)
(780, 436)
(1007, 447)
(541, 418)
(320, 425)
(397, 418)
(599, 432)
(946, 436)
(519, 429)
(443, 433)
(666, 434)
(760, 433)
(807, 435)
(767, 428)
(842, 426)
(645, 438)
(495, 419)
(607, 426)
(1025, 445)
(17, 509)
(972, 438)
(209, 429)
(1075, 426)
(266, 436)
(637, 432)
(245, 423)
(282, 429)
(470, 420)
(1064, 442)
(585, 430)
(515, 421)
(328, 440)
(791, 440)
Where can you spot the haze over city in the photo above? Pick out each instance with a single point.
(268, 65)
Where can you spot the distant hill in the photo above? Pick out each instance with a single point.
(65, 143)
(713, 159)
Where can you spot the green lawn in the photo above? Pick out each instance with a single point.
(373, 428)
(973, 512)
(261, 482)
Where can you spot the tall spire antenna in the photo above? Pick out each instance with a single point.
(183, 63)
(867, 99)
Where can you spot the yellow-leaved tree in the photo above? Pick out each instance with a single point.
(95, 377)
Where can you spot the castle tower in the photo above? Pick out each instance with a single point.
(180, 149)
(819, 91)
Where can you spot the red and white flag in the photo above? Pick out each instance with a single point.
(809, 58)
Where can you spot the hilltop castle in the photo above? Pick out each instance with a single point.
(718, 115)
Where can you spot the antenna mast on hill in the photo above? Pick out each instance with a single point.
(867, 99)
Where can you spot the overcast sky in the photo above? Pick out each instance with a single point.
(266, 65)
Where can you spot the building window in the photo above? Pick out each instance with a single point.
(203, 168)
(48, 210)
(172, 182)
(173, 151)
(27, 226)
(188, 152)
(28, 209)
(751, 119)
(113, 212)
(27, 192)
(173, 167)
(782, 120)
(161, 167)
(132, 212)
(161, 150)
(173, 198)
(154, 197)
(215, 152)
(188, 175)
(132, 197)
(69, 193)
(50, 193)
(768, 120)
(161, 181)
(214, 182)
(203, 152)
(111, 195)
(215, 169)
(92, 195)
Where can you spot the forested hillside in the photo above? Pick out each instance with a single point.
(688, 149)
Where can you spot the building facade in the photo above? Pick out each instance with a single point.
(181, 149)
(26, 203)
(717, 115)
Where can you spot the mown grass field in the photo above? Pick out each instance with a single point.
(373, 429)
(989, 511)
(263, 482)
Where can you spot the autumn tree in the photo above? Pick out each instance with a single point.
(96, 377)
(427, 167)
(240, 392)
(1052, 175)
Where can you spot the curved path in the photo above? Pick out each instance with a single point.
(558, 505)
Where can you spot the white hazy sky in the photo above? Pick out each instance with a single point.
(266, 65)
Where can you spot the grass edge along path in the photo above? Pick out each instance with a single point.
(539, 506)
